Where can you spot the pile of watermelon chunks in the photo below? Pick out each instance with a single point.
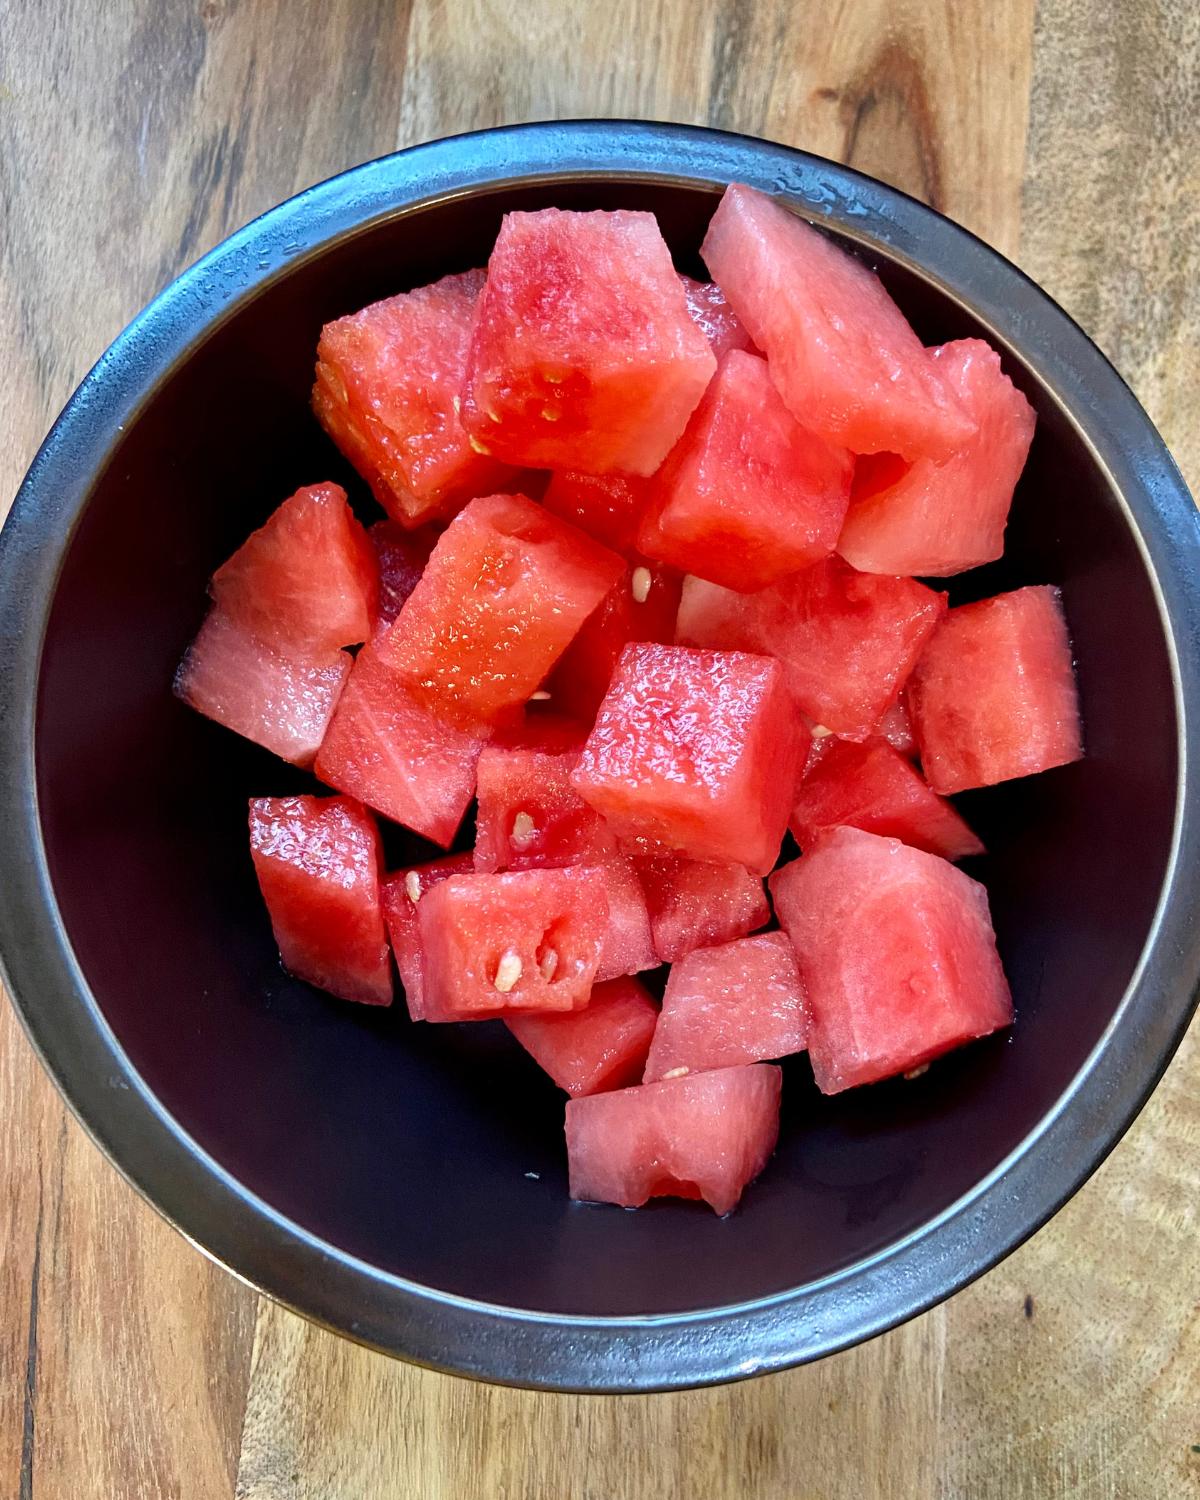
(703, 629)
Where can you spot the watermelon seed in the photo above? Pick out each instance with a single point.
(412, 885)
(541, 696)
(457, 405)
(640, 584)
(478, 446)
(508, 971)
(676, 1073)
(916, 1072)
(495, 416)
(523, 826)
(547, 963)
(549, 413)
(819, 732)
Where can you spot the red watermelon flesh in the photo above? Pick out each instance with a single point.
(525, 940)
(506, 588)
(994, 693)
(628, 946)
(388, 378)
(607, 506)
(318, 863)
(549, 731)
(710, 311)
(845, 360)
(640, 606)
(402, 557)
(591, 1051)
(385, 749)
(583, 355)
(399, 895)
(694, 904)
(847, 640)
(747, 495)
(280, 702)
(941, 517)
(896, 728)
(530, 816)
(872, 786)
(737, 1003)
(695, 753)
(897, 954)
(703, 1136)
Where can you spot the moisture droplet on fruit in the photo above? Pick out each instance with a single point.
(676, 1073)
(508, 971)
(478, 446)
(547, 964)
(916, 1072)
(523, 826)
(640, 584)
(412, 884)
(819, 732)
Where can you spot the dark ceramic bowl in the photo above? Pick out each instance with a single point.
(406, 1185)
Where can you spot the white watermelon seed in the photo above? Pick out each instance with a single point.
(541, 696)
(478, 446)
(547, 964)
(640, 584)
(916, 1072)
(523, 826)
(457, 405)
(550, 414)
(412, 885)
(819, 732)
(675, 1073)
(508, 971)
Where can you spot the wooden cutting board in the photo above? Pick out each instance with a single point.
(137, 133)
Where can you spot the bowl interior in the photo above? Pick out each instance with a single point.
(436, 1153)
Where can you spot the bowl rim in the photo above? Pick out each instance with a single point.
(280, 1258)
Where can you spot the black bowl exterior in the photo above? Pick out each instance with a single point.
(406, 1185)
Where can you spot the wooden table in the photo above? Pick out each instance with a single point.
(135, 134)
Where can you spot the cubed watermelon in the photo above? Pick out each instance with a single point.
(936, 517)
(583, 355)
(318, 863)
(530, 816)
(841, 352)
(628, 946)
(385, 749)
(872, 786)
(402, 556)
(283, 703)
(526, 940)
(694, 904)
(897, 954)
(994, 693)
(504, 591)
(607, 506)
(703, 1136)
(847, 640)
(736, 1003)
(399, 895)
(695, 753)
(896, 728)
(747, 495)
(594, 1050)
(710, 311)
(388, 378)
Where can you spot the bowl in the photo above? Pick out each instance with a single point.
(406, 1184)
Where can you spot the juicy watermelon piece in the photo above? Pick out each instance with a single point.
(994, 693)
(282, 703)
(398, 896)
(848, 640)
(845, 360)
(583, 355)
(640, 606)
(385, 749)
(504, 591)
(607, 506)
(318, 863)
(703, 1136)
(628, 947)
(694, 904)
(737, 1003)
(402, 556)
(530, 816)
(709, 309)
(695, 752)
(896, 951)
(387, 381)
(872, 786)
(747, 495)
(591, 1051)
(939, 518)
(526, 940)
(896, 728)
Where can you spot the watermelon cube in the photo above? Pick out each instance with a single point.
(703, 1136)
(709, 309)
(640, 606)
(897, 953)
(694, 904)
(994, 693)
(387, 750)
(607, 506)
(896, 728)
(628, 946)
(695, 753)
(939, 517)
(525, 940)
(284, 703)
(388, 378)
(318, 863)
(504, 591)
(398, 896)
(872, 786)
(591, 1051)
(402, 556)
(845, 360)
(737, 1003)
(530, 816)
(847, 640)
(583, 355)
(747, 495)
